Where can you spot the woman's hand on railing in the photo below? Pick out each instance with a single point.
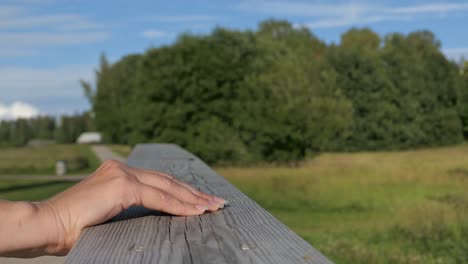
(52, 227)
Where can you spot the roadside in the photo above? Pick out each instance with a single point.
(42, 177)
(103, 153)
(29, 160)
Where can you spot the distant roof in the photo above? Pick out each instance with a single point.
(89, 137)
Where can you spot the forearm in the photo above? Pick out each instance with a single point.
(28, 230)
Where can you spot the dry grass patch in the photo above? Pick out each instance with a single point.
(371, 207)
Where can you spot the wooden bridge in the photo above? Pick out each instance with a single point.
(243, 232)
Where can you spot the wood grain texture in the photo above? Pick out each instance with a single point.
(243, 232)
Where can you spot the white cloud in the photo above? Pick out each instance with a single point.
(302, 8)
(16, 52)
(8, 11)
(30, 84)
(456, 53)
(430, 8)
(35, 39)
(53, 90)
(154, 34)
(61, 21)
(18, 110)
(184, 18)
(347, 14)
(31, 1)
(23, 32)
(348, 21)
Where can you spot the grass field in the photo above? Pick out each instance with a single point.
(392, 207)
(31, 190)
(33, 160)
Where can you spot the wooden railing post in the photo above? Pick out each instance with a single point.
(243, 232)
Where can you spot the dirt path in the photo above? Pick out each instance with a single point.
(103, 153)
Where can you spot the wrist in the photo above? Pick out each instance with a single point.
(56, 236)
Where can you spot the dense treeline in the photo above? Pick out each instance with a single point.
(66, 129)
(279, 93)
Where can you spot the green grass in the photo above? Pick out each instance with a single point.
(387, 207)
(121, 150)
(33, 160)
(31, 190)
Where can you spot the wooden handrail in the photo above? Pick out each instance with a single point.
(243, 232)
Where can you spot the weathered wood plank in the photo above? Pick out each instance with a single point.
(154, 152)
(244, 232)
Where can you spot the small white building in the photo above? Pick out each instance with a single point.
(89, 138)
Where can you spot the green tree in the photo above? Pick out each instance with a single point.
(279, 93)
(71, 126)
(189, 87)
(426, 85)
(462, 101)
(112, 93)
(364, 80)
(295, 106)
(43, 127)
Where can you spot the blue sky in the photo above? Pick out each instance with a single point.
(46, 46)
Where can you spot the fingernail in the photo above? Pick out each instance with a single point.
(223, 204)
(201, 207)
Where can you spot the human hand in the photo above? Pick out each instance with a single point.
(113, 188)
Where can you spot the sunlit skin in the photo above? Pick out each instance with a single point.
(51, 227)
